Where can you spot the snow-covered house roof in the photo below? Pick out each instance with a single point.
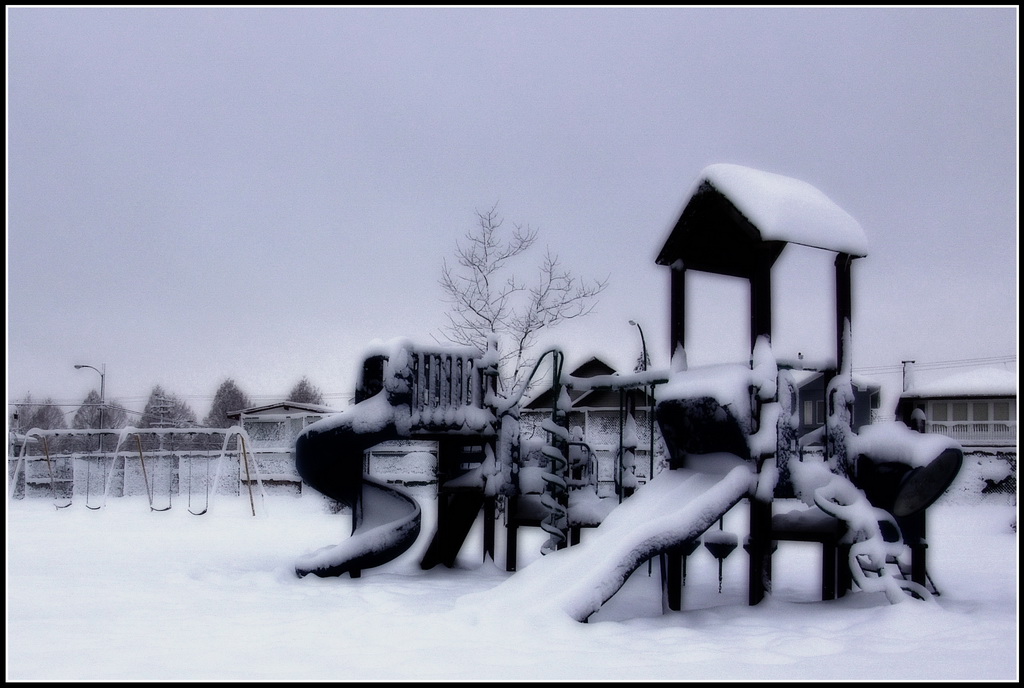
(805, 378)
(282, 408)
(732, 209)
(592, 368)
(980, 382)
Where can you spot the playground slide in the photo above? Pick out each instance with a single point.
(676, 507)
(385, 520)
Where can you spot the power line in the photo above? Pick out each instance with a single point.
(939, 365)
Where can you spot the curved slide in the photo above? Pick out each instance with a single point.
(385, 520)
(676, 507)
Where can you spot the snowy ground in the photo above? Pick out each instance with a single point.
(125, 594)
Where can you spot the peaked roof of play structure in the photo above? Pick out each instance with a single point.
(734, 212)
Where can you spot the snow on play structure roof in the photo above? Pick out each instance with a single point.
(786, 209)
(979, 382)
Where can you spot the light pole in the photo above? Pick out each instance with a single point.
(643, 342)
(103, 389)
(648, 401)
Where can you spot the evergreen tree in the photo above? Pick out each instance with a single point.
(304, 392)
(166, 410)
(229, 398)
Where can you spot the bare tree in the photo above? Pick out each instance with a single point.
(45, 415)
(29, 414)
(489, 299)
(89, 415)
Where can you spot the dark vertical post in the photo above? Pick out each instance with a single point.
(761, 300)
(672, 579)
(844, 577)
(490, 509)
(844, 305)
(619, 489)
(760, 549)
(760, 545)
(677, 309)
(511, 538)
(829, 571)
(913, 529)
(835, 448)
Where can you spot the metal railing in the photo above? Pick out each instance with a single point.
(445, 390)
(1000, 431)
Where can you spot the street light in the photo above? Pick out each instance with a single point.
(103, 382)
(643, 342)
(650, 409)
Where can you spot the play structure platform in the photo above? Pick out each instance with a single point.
(729, 433)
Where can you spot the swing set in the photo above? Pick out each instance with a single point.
(199, 488)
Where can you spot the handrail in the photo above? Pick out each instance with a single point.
(512, 401)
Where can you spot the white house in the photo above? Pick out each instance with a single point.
(978, 408)
(272, 429)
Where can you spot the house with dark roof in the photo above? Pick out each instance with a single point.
(811, 386)
(600, 416)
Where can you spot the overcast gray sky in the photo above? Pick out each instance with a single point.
(195, 194)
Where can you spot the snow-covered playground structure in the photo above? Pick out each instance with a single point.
(730, 431)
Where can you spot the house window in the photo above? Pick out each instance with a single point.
(808, 413)
(266, 433)
(819, 412)
(295, 426)
(974, 420)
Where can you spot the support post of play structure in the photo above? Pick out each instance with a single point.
(672, 577)
(759, 544)
(490, 517)
(761, 298)
(760, 549)
(677, 308)
(844, 303)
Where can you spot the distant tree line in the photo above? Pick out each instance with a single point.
(163, 409)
